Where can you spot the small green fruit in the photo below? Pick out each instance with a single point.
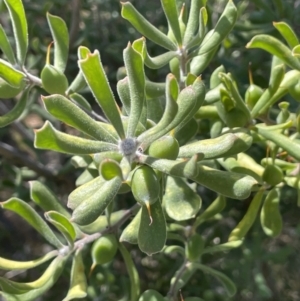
(54, 81)
(194, 247)
(145, 187)
(103, 250)
(272, 175)
(235, 118)
(252, 95)
(166, 147)
(110, 169)
(295, 91)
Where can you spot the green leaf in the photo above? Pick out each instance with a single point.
(182, 168)
(292, 147)
(174, 249)
(230, 84)
(101, 223)
(11, 75)
(159, 61)
(84, 191)
(223, 146)
(152, 238)
(170, 10)
(193, 20)
(6, 48)
(94, 74)
(287, 32)
(189, 100)
(63, 225)
(124, 93)
(187, 132)
(151, 295)
(248, 219)
(275, 47)
(78, 284)
(91, 208)
(45, 198)
(171, 109)
(276, 78)
(145, 27)
(215, 81)
(17, 110)
(130, 233)
(194, 246)
(290, 79)
(200, 62)
(139, 46)
(60, 36)
(270, 216)
(19, 23)
(77, 84)
(221, 30)
(7, 264)
(180, 201)
(296, 51)
(49, 138)
(198, 38)
(227, 283)
(223, 247)
(198, 88)
(32, 290)
(183, 277)
(86, 176)
(83, 52)
(100, 157)
(81, 101)
(132, 272)
(64, 110)
(233, 185)
(214, 208)
(30, 215)
(243, 164)
(136, 78)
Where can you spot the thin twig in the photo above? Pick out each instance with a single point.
(172, 291)
(33, 79)
(90, 238)
(17, 125)
(12, 153)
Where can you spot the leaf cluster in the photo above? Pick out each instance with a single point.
(150, 146)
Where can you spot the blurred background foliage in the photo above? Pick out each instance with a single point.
(263, 269)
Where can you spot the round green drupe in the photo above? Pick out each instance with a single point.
(166, 147)
(272, 175)
(54, 81)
